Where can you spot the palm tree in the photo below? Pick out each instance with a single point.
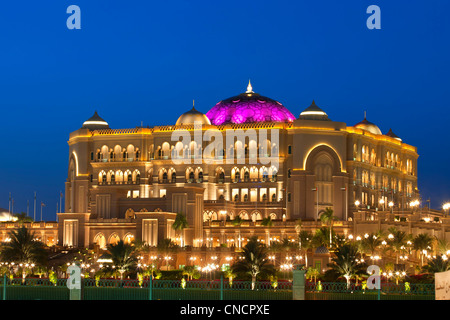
(267, 222)
(24, 249)
(123, 256)
(346, 264)
(422, 243)
(305, 243)
(298, 226)
(442, 246)
(191, 272)
(253, 261)
(180, 224)
(166, 247)
(237, 223)
(398, 240)
(437, 264)
(328, 217)
(320, 238)
(312, 273)
(370, 244)
(22, 217)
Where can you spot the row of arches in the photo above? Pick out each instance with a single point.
(211, 215)
(236, 150)
(102, 241)
(119, 177)
(244, 174)
(117, 153)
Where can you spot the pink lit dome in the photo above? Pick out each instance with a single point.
(249, 107)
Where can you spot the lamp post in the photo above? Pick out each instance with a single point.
(316, 189)
(446, 207)
(357, 203)
(391, 205)
(346, 202)
(382, 203)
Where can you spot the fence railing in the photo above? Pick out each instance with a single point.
(388, 291)
(148, 289)
(222, 289)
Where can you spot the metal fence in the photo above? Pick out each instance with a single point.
(388, 291)
(113, 289)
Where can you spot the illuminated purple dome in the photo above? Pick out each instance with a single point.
(249, 107)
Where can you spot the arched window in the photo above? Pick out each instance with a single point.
(173, 178)
(191, 176)
(245, 197)
(222, 177)
(164, 177)
(200, 177)
(264, 197)
(246, 176)
(236, 197)
(274, 197)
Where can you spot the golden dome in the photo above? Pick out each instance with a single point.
(192, 116)
(368, 126)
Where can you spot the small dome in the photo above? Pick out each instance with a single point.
(393, 135)
(322, 250)
(95, 123)
(192, 116)
(313, 112)
(249, 107)
(368, 126)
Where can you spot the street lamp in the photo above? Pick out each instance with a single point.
(391, 205)
(382, 202)
(357, 203)
(446, 207)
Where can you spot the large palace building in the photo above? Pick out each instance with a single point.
(265, 162)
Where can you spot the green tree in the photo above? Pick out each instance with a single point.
(327, 218)
(312, 273)
(268, 223)
(397, 241)
(179, 225)
(346, 263)
(254, 261)
(123, 257)
(305, 243)
(437, 264)
(237, 222)
(371, 244)
(192, 272)
(442, 246)
(422, 242)
(321, 238)
(22, 217)
(24, 249)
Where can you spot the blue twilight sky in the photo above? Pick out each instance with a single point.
(145, 61)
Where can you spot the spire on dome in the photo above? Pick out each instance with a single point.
(249, 87)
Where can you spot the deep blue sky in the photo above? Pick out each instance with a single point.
(145, 61)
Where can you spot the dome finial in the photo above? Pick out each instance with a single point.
(193, 104)
(249, 87)
(365, 115)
